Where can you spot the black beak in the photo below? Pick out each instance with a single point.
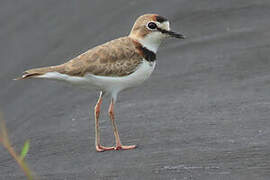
(176, 35)
(171, 33)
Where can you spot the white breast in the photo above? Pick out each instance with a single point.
(112, 85)
(117, 84)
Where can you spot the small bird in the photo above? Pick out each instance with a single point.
(112, 67)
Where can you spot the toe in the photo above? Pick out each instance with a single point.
(121, 147)
(100, 148)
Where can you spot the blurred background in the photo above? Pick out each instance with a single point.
(204, 113)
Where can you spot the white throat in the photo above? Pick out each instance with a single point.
(152, 41)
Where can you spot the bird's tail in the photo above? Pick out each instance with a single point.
(36, 72)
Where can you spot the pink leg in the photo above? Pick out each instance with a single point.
(115, 130)
(99, 148)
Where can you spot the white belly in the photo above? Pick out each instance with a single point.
(105, 83)
(110, 84)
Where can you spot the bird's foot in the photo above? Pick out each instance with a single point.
(100, 148)
(121, 147)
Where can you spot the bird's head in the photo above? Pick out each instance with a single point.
(151, 29)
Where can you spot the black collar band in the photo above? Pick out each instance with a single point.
(148, 55)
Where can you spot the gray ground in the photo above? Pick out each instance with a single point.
(203, 115)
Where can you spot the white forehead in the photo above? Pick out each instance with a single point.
(164, 25)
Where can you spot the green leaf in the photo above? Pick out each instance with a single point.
(25, 149)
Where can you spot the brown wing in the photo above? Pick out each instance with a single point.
(119, 57)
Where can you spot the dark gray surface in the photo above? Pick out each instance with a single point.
(203, 115)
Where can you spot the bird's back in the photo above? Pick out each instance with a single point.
(119, 57)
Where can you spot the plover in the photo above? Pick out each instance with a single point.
(112, 67)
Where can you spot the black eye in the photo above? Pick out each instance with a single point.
(152, 25)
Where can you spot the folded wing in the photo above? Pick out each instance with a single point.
(118, 57)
